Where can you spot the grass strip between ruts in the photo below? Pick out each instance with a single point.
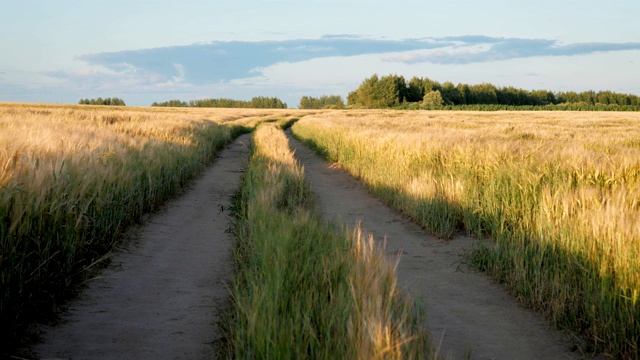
(303, 289)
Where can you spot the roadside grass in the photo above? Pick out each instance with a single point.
(73, 177)
(302, 288)
(558, 194)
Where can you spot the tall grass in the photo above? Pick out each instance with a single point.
(303, 289)
(559, 194)
(72, 178)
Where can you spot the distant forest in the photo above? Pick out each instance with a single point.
(323, 102)
(101, 101)
(259, 102)
(392, 91)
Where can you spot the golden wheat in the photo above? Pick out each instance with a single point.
(72, 178)
(558, 191)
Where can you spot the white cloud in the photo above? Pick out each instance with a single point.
(517, 62)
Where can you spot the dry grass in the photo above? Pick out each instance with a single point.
(558, 192)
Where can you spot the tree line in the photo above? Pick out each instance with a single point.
(323, 102)
(394, 91)
(101, 101)
(259, 102)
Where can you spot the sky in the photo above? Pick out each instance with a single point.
(59, 51)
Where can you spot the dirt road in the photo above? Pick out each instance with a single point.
(158, 298)
(466, 312)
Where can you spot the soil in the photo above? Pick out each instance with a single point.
(160, 296)
(468, 314)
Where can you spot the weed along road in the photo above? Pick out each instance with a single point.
(159, 296)
(467, 314)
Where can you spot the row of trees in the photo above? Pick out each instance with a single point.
(393, 91)
(101, 101)
(171, 103)
(581, 106)
(259, 102)
(323, 102)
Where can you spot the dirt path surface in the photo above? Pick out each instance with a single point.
(466, 312)
(158, 298)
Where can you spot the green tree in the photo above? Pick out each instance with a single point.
(450, 94)
(415, 90)
(323, 102)
(392, 91)
(433, 98)
(484, 94)
(379, 93)
(101, 101)
(464, 93)
(429, 85)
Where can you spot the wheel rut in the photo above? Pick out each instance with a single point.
(468, 315)
(159, 297)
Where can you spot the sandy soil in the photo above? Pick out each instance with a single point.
(159, 297)
(467, 313)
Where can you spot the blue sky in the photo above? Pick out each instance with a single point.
(144, 51)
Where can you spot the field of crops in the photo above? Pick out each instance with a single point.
(557, 193)
(73, 177)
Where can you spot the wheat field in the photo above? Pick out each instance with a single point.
(557, 193)
(72, 178)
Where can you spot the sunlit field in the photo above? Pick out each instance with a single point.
(555, 196)
(73, 177)
(303, 289)
(558, 195)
